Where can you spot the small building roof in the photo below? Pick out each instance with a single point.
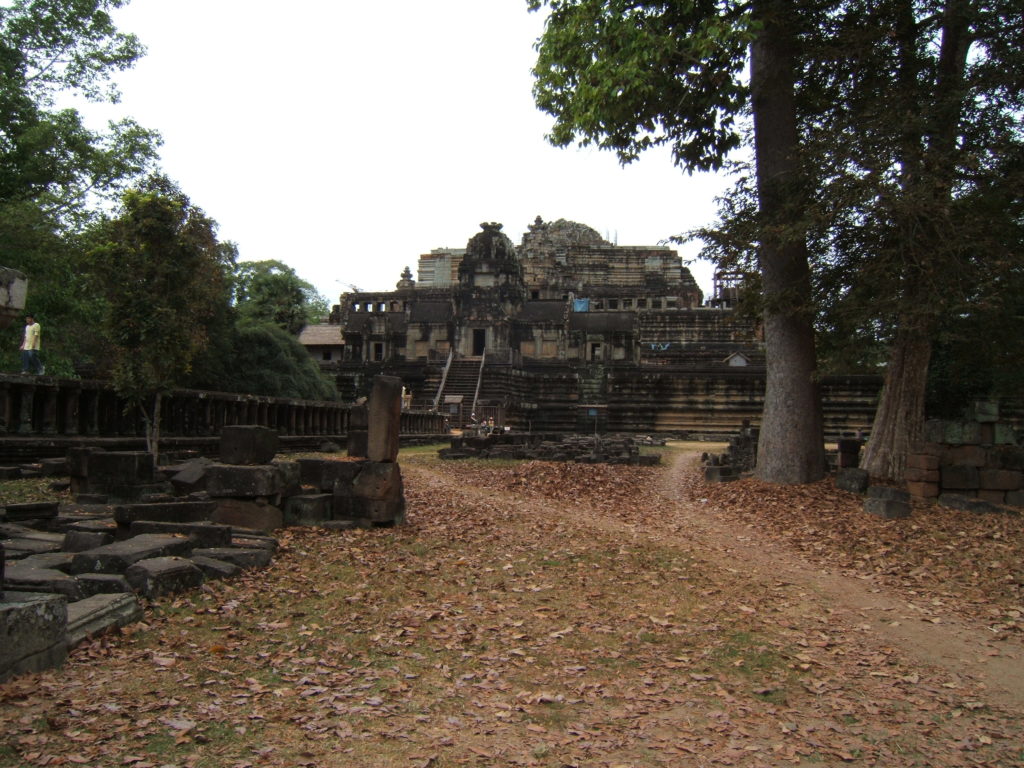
(321, 335)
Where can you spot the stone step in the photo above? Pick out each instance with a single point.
(99, 614)
(117, 557)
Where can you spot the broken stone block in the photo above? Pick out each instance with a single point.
(157, 576)
(247, 444)
(216, 569)
(720, 474)
(165, 512)
(887, 509)
(888, 493)
(852, 479)
(1000, 479)
(109, 469)
(100, 613)
(32, 543)
(290, 476)
(357, 443)
(60, 561)
(190, 477)
(385, 415)
(322, 474)
(390, 511)
(1016, 498)
(33, 627)
(243, 557)
(35, 510)
(308, 509)
(378, 481)
(117, 557)
(923, 490)
(103, 583)
(995, 497)
(201, 534)
(53, 467)
(241, 513)
(359, 417)
(242, 481)
(27, 578)
(80, 541)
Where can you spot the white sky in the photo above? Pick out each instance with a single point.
(346, 138)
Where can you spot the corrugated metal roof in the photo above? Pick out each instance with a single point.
(321, 335)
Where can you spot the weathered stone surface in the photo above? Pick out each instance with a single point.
(80, 541)
(290, 475)
(359, 417)
(102, 583)
(247, 444)
(322, 474)
(308, 509)
(254, 541)
(108, 469)
(248, 514)
(117, 557)
(966, 455)
(378, 510)
(243, 557)
(36, 510)
(159, 576)
(968, 503)
(357, 443)
(852, 479)
(224, 480)
(887, 508)
(960, 477)
(378, 481)
(912, 475)
(78, 460)
(888, 493)
(1000, 479)
(190, 477)
(32, 543)
(216, 569)
(385, 415)
(101, 613)
(995, 497)
(27, 578)
(32, 633)
(923, 490)
(201, 534)
(985, 411)
(720, 474)
(60, 561)
(165, 512)
(922, 461)
(53, 467)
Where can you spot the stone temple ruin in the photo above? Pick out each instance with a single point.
(565, 333)
(136, 530)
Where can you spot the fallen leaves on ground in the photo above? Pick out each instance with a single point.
(530, 614)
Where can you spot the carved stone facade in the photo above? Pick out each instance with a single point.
(561, 326)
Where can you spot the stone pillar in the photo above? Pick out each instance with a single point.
(89, 405)
(28, 396)
(385, 419)
(357, 431)
(72, 398)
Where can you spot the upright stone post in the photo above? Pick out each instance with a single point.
(72, 398)
(357, 432)
(385, 419)
(49, 421)
(28, 396)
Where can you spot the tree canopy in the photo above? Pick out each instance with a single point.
(270, 291)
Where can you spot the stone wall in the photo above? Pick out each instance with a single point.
(978, 457)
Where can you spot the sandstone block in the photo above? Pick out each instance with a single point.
(922, 461)
(190, 477)
(243, 557)
(241, 513)
(80, 541)
(994, 497)
(390, 511)
(159, 576)
(103, 583)
(852, 479)
(1015, 498)
(378, 481)
(166, 512)
(985, 411)
(960, 477)
(33, 628)
(385, 416)
(1004, 434)
(99, 614)
(887, 493)
(308, 509)
(923, 490)
(119, 468)
(357, 443)
(216, 569)
(966, 455)
(248, 444)
(1000, 479)
(887, 509)
(922, 475)
(27, 578)
(358, 417)
(242, 481)
(290, 475)
(117, 557)
(322, 474)
(31, 510)
(201, 534)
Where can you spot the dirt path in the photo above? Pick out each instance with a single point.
(963, 649)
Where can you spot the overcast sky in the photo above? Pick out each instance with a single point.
(347, 138)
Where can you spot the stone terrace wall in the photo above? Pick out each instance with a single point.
(978, 457)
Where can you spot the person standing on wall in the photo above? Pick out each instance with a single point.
(30, 362)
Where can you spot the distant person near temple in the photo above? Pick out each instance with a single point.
(30, 362)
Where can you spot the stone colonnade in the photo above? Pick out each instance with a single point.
(46, 405)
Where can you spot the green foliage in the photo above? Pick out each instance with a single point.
(626, 76)
(270, 291)
(267, 360)
(161, 270)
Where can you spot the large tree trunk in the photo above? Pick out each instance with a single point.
(791, 445)
(899, 420)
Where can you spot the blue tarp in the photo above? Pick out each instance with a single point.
(581, 305)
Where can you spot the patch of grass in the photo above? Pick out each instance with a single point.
(746, 653)
(30, 490)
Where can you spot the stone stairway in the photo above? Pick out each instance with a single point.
(462, 378)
